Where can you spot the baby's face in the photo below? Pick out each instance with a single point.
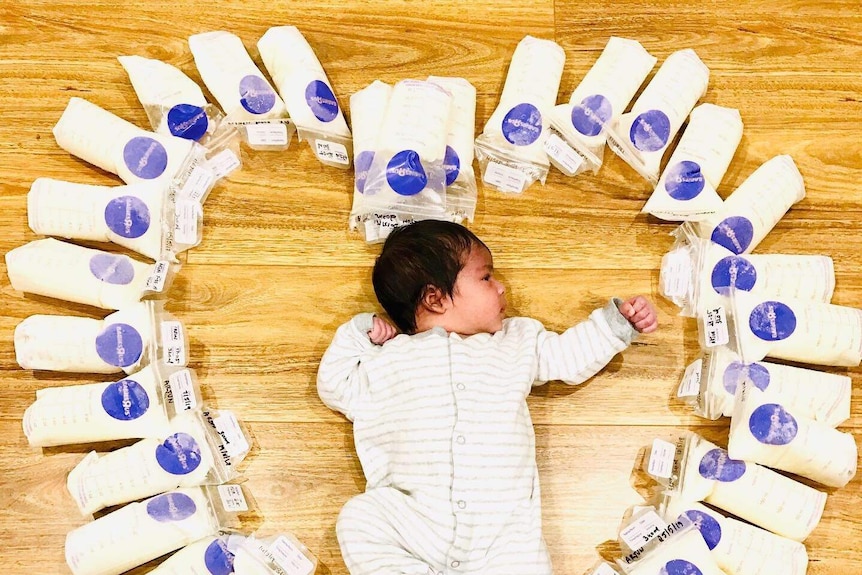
(479, 299)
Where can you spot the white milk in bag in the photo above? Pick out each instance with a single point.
(510, 148)
(599, 100)
(680, 553)
(274, 555)
(208, 556)
(764, 430)
(641, 136)
(753, 209)
(687, 187)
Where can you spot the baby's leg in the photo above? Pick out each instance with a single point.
(381, 532)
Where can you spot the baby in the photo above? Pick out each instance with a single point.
(439, 411)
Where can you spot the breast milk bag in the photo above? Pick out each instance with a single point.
(578, 127)
(701, 471)
(740, 548)
(753, 209)
(307, 94)
(687, 187)
(125, 340)
(642, 135)
(142, 531)
(146, 218)
(711, 381)
(764, 430)
(138, 406)
(510, 148)
(697, 273)
(274, 555)
(207, 556)
(681, 552)
(69, 272)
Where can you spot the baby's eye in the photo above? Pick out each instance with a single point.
(486, 278)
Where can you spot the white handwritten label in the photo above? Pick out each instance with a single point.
(227, 426)
(186, 229)
(223, 163)
(690, 385)
(183, 390)
(332, 152)
(676, 273)
(199, 182)
(567, 159)
(290, 558)
(642, 530)
(715, 327)
(232, 498)
(266, 134)
(157, 277)
(661, 458)
(504, 178)
(173, 343)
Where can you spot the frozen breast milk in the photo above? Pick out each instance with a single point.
(130, 216)
(813, 394)
(275, 555)
(74, 273)
(460, 179)
(642, 135)
(515, 134)
(749, 491)
(687, 187)
(740, 548)
(192, 453)
(307, 93)
(795, 330)
(407, 174)
(232, 77)
(683, 554)
(599, 100)
(753, 209)
(208, 556)
(764, 430)
(117, 146)
(133, 407)
(699, 273)
(140, 532)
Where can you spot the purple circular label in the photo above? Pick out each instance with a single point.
(321, 100)
(771, 424)
(188, 122)
(119, 344)
(522, 125)
(127, 216)
(707, 525)
(716, 465)
(735, 233)
(591, 115)
(405, 173)
(171, 507)
(684, 181)
(255, 95)
(112, 269)
(650, 131)
(218, 560)
(361, 165)
(772, 321)
(180, 454)
(680, 567)
(145, 157)
(125, 400)
(737, 372)
(733, 271)
(452, 165)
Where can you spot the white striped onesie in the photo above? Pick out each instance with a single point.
(442, 430)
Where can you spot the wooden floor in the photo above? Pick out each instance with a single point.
(277, 271)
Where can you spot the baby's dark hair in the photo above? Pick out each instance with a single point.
(415, 256)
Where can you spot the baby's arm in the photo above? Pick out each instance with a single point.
(340, 381)
(581, 351)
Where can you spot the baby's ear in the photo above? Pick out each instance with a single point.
(434, 300)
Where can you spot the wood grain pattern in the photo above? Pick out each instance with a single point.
(278, 271)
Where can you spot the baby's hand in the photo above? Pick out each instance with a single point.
(381, 332)
(640, 313)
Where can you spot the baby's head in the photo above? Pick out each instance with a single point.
(435, 273)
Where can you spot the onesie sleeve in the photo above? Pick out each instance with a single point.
(341, 380)
(581, 351)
